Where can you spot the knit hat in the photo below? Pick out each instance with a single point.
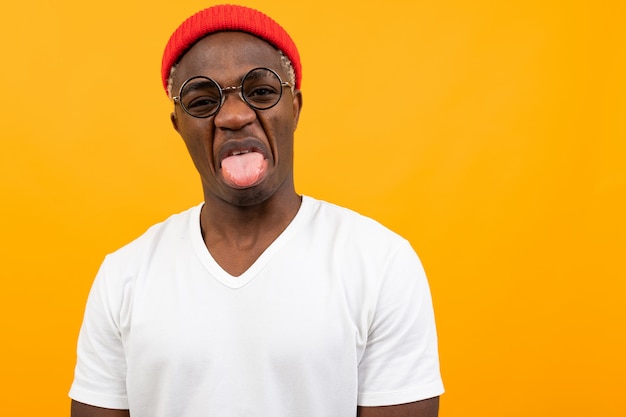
(224, 18)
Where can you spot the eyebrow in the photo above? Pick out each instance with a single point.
(259, 73)
(199, 85)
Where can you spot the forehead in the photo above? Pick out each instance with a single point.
(226, 57)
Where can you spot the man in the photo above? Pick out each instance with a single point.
(258, 302)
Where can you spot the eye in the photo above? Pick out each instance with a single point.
(201, 102)
(201, 96)
(261, 93)
(262, 88)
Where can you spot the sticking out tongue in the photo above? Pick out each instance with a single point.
(245, 169)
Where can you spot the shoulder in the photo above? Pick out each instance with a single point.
(118, 274)
(345, 223)
(171, 231)
(360, 244)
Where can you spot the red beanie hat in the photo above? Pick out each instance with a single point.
(224, 18)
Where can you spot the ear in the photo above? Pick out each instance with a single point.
(174, 121)
(297, 107)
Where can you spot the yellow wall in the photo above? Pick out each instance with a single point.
(491, 134)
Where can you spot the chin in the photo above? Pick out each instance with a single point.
(248, 197)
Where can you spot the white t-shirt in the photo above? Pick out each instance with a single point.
(336, 312)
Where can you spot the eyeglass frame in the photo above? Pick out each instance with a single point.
(224, 90)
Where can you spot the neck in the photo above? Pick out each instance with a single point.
(237, 235)
(227, 222)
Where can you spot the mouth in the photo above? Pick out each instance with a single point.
(244, 163)
(239, 152)
(241, 147)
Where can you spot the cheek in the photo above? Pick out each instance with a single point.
(197, 140)
(285, 142)
(280, 132)
(284, 122)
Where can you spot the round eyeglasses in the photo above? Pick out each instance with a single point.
(261, 89)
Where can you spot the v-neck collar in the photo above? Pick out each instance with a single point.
(235, 282)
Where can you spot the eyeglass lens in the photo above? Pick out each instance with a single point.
(202, 97)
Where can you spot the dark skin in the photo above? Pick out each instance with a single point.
(239, 223)
(84, 410)
(424, 408)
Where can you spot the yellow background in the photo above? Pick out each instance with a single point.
(491, 134)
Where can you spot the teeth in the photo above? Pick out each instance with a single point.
(239, 152)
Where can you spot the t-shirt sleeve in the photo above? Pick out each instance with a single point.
(401, 361)
(100, 373)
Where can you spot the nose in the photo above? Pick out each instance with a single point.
(234, 112)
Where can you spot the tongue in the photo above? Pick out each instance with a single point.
(245, 169)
